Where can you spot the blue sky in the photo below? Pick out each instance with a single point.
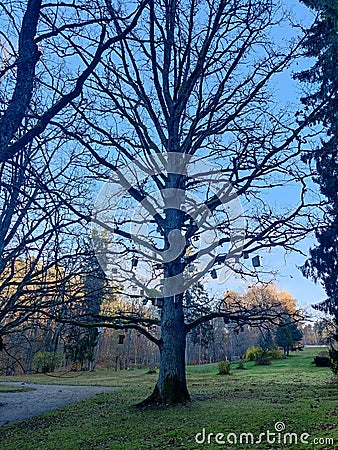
(290, 278)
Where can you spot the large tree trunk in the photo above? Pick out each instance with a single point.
(171, 386)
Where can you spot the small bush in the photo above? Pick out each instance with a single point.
(322, 361)
(224, 367)
(241, 363)
(275, 353)
(254, 352)
(152, 370)
(264, 361)
(47, 361)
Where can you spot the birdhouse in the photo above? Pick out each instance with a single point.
(114, 271)
(256, 261)
(134, 262)
(213, 274)
(121, 338)
(246, 255)
(144, 301)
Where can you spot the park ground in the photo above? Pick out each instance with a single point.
(290, 395)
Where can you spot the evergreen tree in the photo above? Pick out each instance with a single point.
(322, 44)
(287, 334)
(82, 342)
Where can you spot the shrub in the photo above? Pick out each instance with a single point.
(275, 353)
(47, 361)
(152, 370)
(241, 363)
(224, 367)
(254, 352)
(322, 361)
(264, 361)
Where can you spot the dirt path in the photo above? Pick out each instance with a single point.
(22, 405)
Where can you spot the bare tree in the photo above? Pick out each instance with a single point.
(44, 262)
(180, 118)
(29, 69)
(39, 78)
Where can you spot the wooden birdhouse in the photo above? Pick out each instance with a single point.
(256, 261)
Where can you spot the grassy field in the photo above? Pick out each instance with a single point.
(291, 392)
(8, 389)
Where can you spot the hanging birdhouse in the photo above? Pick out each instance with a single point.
(213, 274)
(246, 255)
(121, 338)
(134, 262)
(256, 261)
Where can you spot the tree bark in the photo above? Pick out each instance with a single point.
(171, 387)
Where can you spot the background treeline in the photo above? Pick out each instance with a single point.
(43, 345)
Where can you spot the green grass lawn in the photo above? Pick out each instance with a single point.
(291, 391)
(8, 389)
